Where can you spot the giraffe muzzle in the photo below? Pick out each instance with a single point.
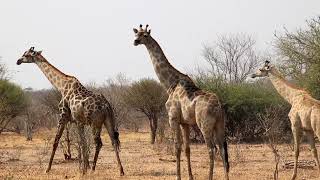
(19, 61)
(136, 42)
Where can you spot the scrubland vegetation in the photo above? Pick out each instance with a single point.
(258, 128)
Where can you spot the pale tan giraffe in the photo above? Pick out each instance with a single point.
(304, 114)
(79, 105)
(187, 105)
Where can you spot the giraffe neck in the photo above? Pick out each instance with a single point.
(287, 90)
(166, 73)
(57, 78)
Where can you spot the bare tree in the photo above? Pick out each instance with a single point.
(3, 70)
(272, 123)
(50, 98)
(114, 90)
(147, 96)
(29, 122)
(232, 57)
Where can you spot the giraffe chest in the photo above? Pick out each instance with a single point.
(77, 110)
(188, 113)
(301, 115)
(187, 106)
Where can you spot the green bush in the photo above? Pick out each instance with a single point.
(243, 104)
(12, 102)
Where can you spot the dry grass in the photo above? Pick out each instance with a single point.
(21, 159)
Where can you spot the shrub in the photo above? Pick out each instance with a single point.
(242, 103)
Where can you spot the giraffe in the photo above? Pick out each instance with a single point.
(77, 105)
(187, 105)
(304, 114)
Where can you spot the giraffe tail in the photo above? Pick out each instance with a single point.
(225, 145)
(226, 158)
(115, 136)
(116, 140)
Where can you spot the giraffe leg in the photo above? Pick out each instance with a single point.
(296, 138)
(219, 133)
(84, 149)
(311, 139)
(61, 127)
(208, 132)
(178, 142)
(97, 140)
(186, 140)
(211, 150)
(116, 149)
(223, 147)
(114, 137)
(174, 113)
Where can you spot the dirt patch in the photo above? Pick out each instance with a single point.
(21, 159)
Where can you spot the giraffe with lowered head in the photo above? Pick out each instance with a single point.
(187, 105)
(304, 114)
(80, 105)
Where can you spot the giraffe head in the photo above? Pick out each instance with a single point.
(264, 71)
(30, 56)
(142, 35)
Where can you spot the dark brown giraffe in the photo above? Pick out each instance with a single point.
(80, 105)
(187, 105)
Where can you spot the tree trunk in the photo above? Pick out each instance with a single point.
(5, 124)
(153, 127)
(28, 131)
(27, 127)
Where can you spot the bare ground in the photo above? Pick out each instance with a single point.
(21, 159)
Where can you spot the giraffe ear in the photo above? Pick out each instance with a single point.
(135, 30)
(39, 52)
(267, 62)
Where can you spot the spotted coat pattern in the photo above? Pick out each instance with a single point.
(187, 105)
(304, 114)
(78, 105)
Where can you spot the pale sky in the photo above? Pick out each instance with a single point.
(93, 40)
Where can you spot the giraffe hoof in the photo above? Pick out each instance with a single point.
(47, 171)
(121, 172)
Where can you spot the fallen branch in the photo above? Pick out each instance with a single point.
(168, 160)
(303, 164)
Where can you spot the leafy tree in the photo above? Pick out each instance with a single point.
(12, 102)
(148, 97)
(300, 51)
